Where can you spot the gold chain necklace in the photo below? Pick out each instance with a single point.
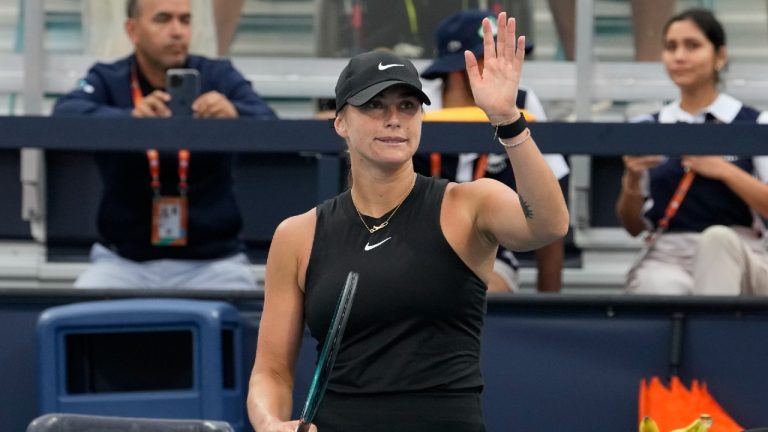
(386, 222)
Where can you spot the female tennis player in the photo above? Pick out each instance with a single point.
(424, 249)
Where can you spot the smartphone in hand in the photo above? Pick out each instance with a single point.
(183, 85)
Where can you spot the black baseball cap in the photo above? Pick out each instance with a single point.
(368, 74)
(460, 32)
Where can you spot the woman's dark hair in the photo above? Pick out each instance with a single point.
(706, 22)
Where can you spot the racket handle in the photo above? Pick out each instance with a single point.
(303, 427)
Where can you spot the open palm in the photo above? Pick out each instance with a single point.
(495, 88)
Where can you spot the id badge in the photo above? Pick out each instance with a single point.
(169, 221)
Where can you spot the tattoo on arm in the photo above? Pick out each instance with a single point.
(527, 211)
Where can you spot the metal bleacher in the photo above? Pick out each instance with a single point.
(273, 48)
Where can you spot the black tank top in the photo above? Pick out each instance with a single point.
(416, 320)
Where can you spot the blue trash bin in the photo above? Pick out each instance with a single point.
(158, 358)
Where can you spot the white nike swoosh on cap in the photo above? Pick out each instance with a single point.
(385, 67)
(374, 246)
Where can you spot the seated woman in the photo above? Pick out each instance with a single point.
(712, 244)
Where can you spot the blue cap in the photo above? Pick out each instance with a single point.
(457, 33)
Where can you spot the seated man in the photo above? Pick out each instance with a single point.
(166, 219)
(457, 33)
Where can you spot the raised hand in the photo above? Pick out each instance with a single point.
(495, 87)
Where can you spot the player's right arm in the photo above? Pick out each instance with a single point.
(270, 392)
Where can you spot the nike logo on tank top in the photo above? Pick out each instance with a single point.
(418, 313)
(369, 246)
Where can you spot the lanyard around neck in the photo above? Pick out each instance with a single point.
(153, 157)
(682, 188)
(136, 95)
(677, 199)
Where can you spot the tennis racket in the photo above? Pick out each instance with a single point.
(328, 353)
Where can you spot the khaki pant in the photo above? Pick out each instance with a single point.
(110, 270)
(718, 261)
